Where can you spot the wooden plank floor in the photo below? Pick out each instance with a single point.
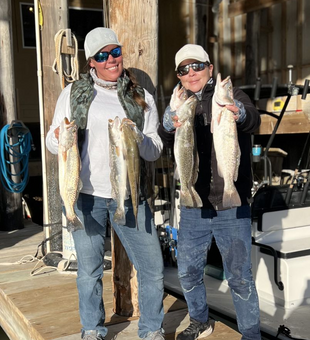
(45, 306)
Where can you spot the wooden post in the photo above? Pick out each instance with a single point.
(252, 42)
(124, 284)
(11, 213)
(55, 17)
(136, 24)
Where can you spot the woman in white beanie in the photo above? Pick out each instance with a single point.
(230, 226)
(106, 91)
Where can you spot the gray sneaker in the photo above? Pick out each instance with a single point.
(196, 330)
(91, 335)
(158, 335)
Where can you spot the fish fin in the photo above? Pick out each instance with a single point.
(186, 199)
(219, 117)
(237, 165)
(176, 174)
(80, 185)
(212, 125)
(231, 199)
(64, 156)
(219, 171)
(236, 173)
(75, 224)
(119, 217)
(196, 167)
(197, 202)
(117, 151)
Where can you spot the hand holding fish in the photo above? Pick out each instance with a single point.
(234, 109)
(56, 133)
(176, 122)
(178, 97)
(138, 135)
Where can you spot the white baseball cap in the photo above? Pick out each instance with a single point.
(97, 39)
(191, 51)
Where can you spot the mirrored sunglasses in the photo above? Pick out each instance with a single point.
(184, 70)
(100, 57)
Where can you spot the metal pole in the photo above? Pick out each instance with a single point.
(41, 114)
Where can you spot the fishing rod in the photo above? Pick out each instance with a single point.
(296, 172)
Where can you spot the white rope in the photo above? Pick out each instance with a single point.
(64, 76)
(25, 259)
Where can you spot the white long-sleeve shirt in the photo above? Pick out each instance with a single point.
(95, 171)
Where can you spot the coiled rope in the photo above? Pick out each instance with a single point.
(15, 154)
(66, 76)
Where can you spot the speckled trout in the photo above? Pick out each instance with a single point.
(186, 155)
(69, 166)
(225, 138)
(118, 166)
(132, 137)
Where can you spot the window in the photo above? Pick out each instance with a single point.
(28, 28)
(81, 21)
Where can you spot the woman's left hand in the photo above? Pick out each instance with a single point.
(234, 109)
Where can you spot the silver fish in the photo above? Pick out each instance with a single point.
(69, 165)
(118, 166)
(131, 139)
(225, 138)
(186, 156)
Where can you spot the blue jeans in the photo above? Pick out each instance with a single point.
(232, 233)
(143, 250)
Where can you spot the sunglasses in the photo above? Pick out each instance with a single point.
(101, 57)
(184, 70)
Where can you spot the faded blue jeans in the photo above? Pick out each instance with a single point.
(232, 233)
(143, 250)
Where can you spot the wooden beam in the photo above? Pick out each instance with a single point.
(11, 216)
(300, 18)
(55, 15)
(252, 69)
(140, 51)
(246, 6)
(244, 19)
(233, 48)
(270, 67)
(140, 18)
(220, 37)
(284, 43)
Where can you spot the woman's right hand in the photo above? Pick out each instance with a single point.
(176, 122)
(56, 133)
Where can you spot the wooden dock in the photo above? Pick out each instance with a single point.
(44, 306)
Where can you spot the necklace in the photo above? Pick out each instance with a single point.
(109, 85)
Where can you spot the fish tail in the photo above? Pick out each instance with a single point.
(231, 198)
(135, 212)
(197, 202)
(75, 224)
(186, 199)
(119, 217)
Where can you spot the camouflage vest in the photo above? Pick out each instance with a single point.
(81, 96)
